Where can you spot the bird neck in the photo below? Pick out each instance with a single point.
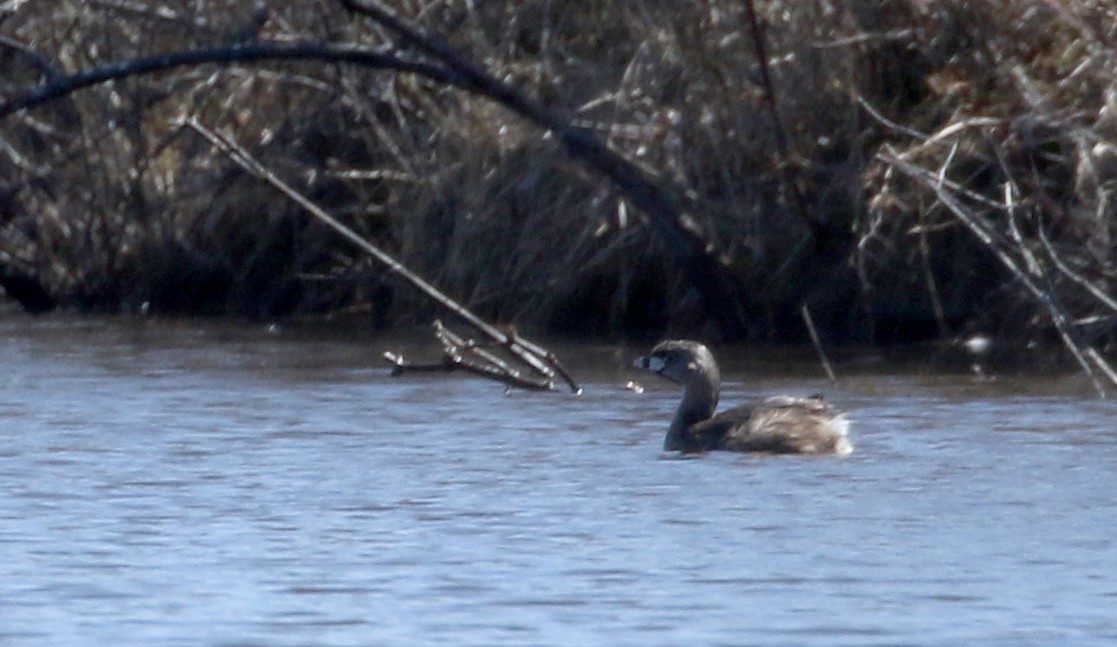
(700, 400)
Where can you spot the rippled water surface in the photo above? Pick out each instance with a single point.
(184, 484)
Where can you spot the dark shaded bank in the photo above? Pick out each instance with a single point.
(908, 171)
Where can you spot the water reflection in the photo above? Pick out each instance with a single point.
(186, 484)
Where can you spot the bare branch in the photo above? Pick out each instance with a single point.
(1086, 356)
(537, 359)
(61, 86)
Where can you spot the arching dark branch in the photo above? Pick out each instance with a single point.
(665, 207)
(60, 86)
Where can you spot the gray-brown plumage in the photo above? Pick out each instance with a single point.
(780, 425)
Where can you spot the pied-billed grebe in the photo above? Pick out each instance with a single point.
(779, 425)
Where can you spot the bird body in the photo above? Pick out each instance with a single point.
(778, 425)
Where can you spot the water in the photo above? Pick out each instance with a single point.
(188, 484)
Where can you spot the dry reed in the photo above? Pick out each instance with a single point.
(789, 165)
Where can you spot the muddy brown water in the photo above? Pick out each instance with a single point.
(169, 483)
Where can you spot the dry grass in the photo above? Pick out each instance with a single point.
(1010, 104)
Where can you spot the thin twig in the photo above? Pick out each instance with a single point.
(888, 123)
(790, 183)
(1074, 276)
(809, 321)
(401, 365)
(759, 43)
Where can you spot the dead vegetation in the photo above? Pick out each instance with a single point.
(906, 170)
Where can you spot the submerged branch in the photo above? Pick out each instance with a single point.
(468, 355)
(460, 354)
